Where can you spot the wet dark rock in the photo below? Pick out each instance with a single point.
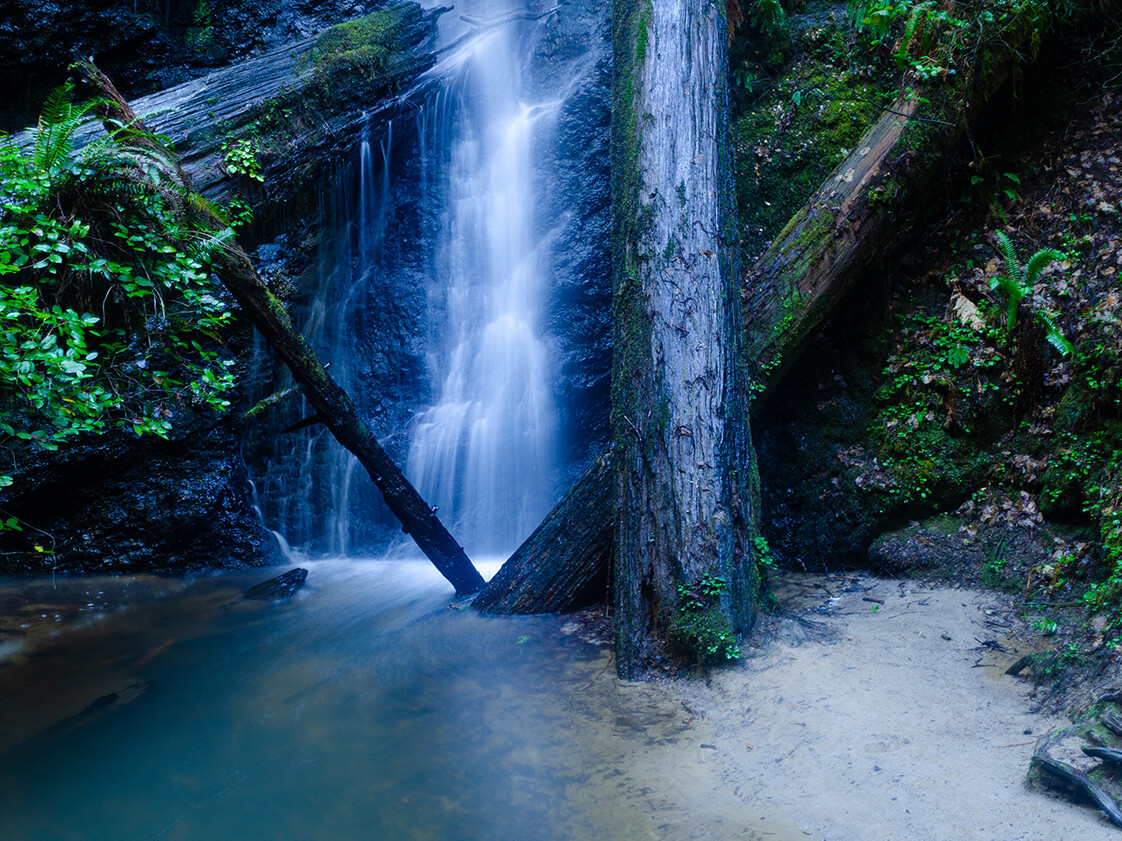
(281, 587)
(119, 503)
(578, 210)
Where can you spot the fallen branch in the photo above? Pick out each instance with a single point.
(1069, 774)
(333, 405)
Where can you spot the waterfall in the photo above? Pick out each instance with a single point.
(448, 298)
(485, 450)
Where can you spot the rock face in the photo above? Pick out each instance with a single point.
(117, 503)
(580, 305)
(144, 45)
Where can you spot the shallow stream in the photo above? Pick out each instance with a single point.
(365, 707)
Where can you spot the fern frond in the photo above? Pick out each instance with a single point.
(1012, 264)
(1011, 292)
(205, 207)
(1039, 261)
(58, 122)
(1054, 336)
(220, 239)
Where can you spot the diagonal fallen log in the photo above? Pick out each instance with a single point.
(333, 405)
(528, 584)
(862, 208)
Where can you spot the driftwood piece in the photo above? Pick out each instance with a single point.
(1106, 754)
(1112, 723)
(1043, 759)
(281, 587)
(528, 583)
(332, 404)
(857, 214)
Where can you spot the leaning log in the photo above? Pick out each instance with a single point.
(334, 406)
(529, 583)
(854, 217)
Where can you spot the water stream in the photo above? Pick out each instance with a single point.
(153, 708)
(485, 449)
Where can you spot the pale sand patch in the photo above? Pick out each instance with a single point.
(887, 732)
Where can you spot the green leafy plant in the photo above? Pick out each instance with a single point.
(699, 628)
(1017, 282)
(108, 316)
(764, 556)
(240, 158)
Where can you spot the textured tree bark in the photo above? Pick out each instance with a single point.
(862, 208)
(333, 405)
(564, 564)
(678, 408)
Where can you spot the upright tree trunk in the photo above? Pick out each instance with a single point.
(678, 410)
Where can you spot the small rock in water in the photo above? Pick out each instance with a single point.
(280, 587)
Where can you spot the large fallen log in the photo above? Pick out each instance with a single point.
(334, 407)
(296, 106)
(528, 583)
(862, 208)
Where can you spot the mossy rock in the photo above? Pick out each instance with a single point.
(945, 546)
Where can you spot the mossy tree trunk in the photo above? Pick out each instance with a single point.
(333, 406)
(682, 451)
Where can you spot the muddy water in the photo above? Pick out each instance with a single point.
(365, 707)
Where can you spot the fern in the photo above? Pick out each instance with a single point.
(917, 16)
(1054, 336)
(1018, 281)
(59, 121)
(1040, 261)
(1012, 263)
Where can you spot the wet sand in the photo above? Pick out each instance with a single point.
(902, 726)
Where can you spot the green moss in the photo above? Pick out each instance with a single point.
(631, 337)
(784, 150)
(360, 48)
(704, 636)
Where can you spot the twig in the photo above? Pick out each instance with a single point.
(610, 656)
(1018, 744)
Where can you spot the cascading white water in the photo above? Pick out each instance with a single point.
(435, 291)
(485, 451)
